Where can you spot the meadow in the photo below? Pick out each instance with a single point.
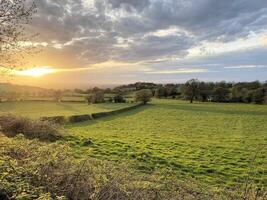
(36, 109)
(215, 144)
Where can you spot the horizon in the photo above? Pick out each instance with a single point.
(112, 86)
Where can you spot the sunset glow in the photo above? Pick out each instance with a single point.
(111, 42)
(36, 72)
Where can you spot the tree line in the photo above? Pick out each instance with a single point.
(192, 90)
(195, 90)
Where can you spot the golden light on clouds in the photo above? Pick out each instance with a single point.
(264, 40)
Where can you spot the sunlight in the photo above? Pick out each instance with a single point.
(36, 72)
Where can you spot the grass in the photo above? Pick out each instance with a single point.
(36, 109)
(213, 143)
(30, 169)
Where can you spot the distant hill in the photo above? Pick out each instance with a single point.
(21, 89)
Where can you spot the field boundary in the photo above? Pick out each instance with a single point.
(85, 117)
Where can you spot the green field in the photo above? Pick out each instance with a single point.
(216, 144)
(36, 109)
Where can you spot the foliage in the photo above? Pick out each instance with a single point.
(191, 89)
(95, 97)
(220, 94)
(14, 15)
(79, 118)
(12, 125)
(57, 96)
(55, 119)
(118, 98)
(143, 96)
(160, 92)
(259, 95)
(204, 91)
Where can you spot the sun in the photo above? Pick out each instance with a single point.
(36, 72)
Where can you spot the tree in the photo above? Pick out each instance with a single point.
(220, 94)
(205, 90)
(236, 93)
(118, 99)
(259, 95)
(96, 97)
(170, 90)
(14, 15)
(160, 92)
(143, 96)
(191, 89)
(57, 95)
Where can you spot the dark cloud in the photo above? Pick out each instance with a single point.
(251, 58)
(124, 30)
(155, 47)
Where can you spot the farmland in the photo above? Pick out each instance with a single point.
(216, 144)
(36, 109)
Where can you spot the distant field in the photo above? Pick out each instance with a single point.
(213, 143)
(36, 109)
(64, 98)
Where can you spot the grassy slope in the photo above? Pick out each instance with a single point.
(213, 143)
(37, 109)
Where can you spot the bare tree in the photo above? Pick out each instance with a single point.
(14, 39)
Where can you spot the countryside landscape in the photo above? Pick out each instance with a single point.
(138, 100)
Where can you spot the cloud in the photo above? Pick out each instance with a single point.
(180, 71)
(129, 5)
(161, 34)
(246, 67)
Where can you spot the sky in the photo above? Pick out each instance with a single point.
(109, 42)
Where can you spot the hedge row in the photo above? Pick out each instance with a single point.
(81, 118)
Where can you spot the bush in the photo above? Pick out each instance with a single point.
(100, 114)
(55, 119)
(143, 96)
(12, 125)
(79, 118)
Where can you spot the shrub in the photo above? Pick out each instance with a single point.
(143, 96)
(55, 119)
(100, 115)
(79, 118)
(12, 125)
